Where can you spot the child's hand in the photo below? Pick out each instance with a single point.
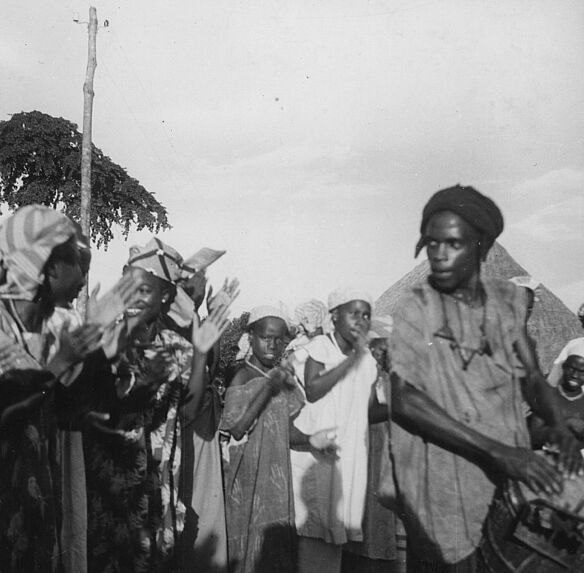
(359, 341)
(325, 441)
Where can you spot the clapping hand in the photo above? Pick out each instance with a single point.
(228, 293)
(204, 336)
(14, 357)
(113, 303)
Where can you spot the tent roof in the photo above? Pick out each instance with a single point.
(551, 324)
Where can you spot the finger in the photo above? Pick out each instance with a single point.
(548, 477)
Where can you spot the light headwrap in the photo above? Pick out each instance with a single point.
(27, 239)
(381, 327)
(266, 311)
(575, 346)
(311, 315)
(345, 295)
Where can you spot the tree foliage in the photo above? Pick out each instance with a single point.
(40, 162)
(229, 348)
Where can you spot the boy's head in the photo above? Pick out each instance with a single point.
(350, 312)
(268, 332)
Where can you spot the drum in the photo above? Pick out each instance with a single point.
(527, 533)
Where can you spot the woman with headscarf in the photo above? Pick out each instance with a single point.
(136, 514)
(41, 266)
(260, 404)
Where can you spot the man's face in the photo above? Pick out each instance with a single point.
(352, 317)
(267, 340)
(379, 350)
(573, 373)
(66, 281)
(452, 246)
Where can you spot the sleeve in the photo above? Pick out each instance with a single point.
(410, 344)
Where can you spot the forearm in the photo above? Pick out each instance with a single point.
(322, 384)
(298, 439)
(197, 383)
(250, 414)
(419, 414)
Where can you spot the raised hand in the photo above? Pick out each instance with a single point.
(113, 303)
(75, 346)
(204, 336)
(228, 293)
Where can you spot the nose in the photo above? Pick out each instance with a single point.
(439, 252)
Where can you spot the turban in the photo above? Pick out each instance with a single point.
(27, 239)
(476, 209)
(265, 311)
(158, 259)
(575, 346)
(345, 295)
(311, 315)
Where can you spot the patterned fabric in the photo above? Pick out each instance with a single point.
(445, 497)
(158, 259)
(135, 513)
(26, 241)
(329, 498)
(29, 471)
(258, 495)
(311, 315)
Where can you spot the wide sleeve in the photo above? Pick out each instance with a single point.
(410, 342)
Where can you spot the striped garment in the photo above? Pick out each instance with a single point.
(27, 239)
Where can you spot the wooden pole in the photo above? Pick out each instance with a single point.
(88, 93)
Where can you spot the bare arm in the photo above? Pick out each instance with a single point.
(318, 383)
(419, 414)
(251, 414)
(540, 397)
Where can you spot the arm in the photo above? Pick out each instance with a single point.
(324, 441)
(540, 397)
(377, 412)
(419, 414)
(318, 383)
(251, 414)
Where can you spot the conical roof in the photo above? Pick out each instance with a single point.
(551, 324)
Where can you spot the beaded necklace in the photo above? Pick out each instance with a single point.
(466, 353)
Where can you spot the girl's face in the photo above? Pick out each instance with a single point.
(379, 350)
(267, 340)
(352, 317)
(151, 294)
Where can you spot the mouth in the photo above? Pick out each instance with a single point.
(441, 275)
(573, 384)
(134, 311)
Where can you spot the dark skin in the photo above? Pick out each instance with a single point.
(352, 321)
(572, 383)
(267, 340)
(379, 350)
(454, 253)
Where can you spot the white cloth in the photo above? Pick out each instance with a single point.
(575, 346)
(345, 295)
(329, 496)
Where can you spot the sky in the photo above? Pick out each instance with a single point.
(305, 137)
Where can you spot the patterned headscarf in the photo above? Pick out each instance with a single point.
(27, 239)
(311, 315)
(158, 259)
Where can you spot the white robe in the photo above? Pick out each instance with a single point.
(329, 496)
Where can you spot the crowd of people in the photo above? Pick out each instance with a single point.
(121, 451)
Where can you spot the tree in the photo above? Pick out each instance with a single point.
(40, 162)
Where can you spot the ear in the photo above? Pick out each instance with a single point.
(51, 270)
(334, 315)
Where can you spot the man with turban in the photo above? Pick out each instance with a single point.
(458, 343)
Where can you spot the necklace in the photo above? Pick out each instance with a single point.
(466, 353)
(254, 367)
(568, 397)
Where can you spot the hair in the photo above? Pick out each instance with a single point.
(67, 253)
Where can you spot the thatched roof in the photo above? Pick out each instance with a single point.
(551, 324)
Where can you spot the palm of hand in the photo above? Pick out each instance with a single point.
(205, 336)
